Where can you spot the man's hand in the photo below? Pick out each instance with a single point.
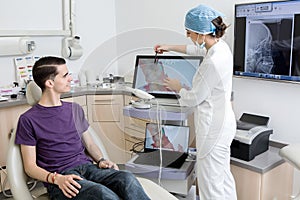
(108, 164)
(67, 184)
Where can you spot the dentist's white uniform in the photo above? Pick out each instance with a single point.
(215, 122)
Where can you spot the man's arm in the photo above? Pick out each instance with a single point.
(95, 152)
(30, 166)
(66, 183)
(160, 48)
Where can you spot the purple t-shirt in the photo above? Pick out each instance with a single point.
(56, 132)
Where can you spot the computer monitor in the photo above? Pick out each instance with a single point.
(150, 71)
(267, 40)
(173, 138)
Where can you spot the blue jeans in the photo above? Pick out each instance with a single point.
(101, 184)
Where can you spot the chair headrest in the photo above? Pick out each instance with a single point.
(33, 93)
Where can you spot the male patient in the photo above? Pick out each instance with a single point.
(54, 136)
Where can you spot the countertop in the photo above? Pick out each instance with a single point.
(262, 162)
(163, 112)
(76, 91)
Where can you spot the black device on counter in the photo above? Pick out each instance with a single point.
(252, 137)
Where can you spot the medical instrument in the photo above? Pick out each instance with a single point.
(71, 48)
(155, 57)
(143, 102)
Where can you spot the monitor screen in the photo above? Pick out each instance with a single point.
(150, 72)
(174, 138)
(267, 40)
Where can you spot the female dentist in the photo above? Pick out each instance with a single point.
(210, 94)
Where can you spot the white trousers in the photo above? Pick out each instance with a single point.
(215, 180)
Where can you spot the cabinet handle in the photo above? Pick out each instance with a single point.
(10, 133)
(105, 100)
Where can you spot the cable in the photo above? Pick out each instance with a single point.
(4, 183)
(135, 145)
(33, 182)
(159, 122)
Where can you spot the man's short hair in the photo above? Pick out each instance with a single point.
(46, 68)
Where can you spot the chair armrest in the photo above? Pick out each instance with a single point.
(154, 191)
(15, 171)
(291, 154)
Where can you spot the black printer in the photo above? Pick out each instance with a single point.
(252, 137)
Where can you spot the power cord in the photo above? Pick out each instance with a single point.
(159, 128)
(33, 182)
(135, 146)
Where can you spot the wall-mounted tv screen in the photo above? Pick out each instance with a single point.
(267, 40)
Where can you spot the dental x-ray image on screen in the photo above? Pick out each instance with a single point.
(267, 42)
(150, 73)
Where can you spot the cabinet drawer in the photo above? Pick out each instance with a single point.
(135, 124)
(81, 100)
(130, 141)
(134, 133)
(106, 113)
(105, 108)
(106, 99)
(129, 144)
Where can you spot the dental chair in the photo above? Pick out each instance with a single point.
(18, 179)
(290, 153)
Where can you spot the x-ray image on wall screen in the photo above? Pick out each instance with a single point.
(267, 40)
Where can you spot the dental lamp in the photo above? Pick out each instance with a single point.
(144, 98)
(71, 48)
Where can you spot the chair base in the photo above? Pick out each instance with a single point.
(297, 197)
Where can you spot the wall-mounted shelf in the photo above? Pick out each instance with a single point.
(12, 33)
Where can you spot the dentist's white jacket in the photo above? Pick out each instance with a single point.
(211, 93)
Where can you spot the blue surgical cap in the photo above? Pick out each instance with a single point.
(199, 19)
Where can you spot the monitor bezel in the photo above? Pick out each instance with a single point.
(166, 125)
(159, 95)
(260, 76)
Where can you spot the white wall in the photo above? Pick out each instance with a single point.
(95, 23)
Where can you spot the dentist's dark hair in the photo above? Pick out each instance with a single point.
(220, 27)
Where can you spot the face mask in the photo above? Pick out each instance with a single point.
(202, 45)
